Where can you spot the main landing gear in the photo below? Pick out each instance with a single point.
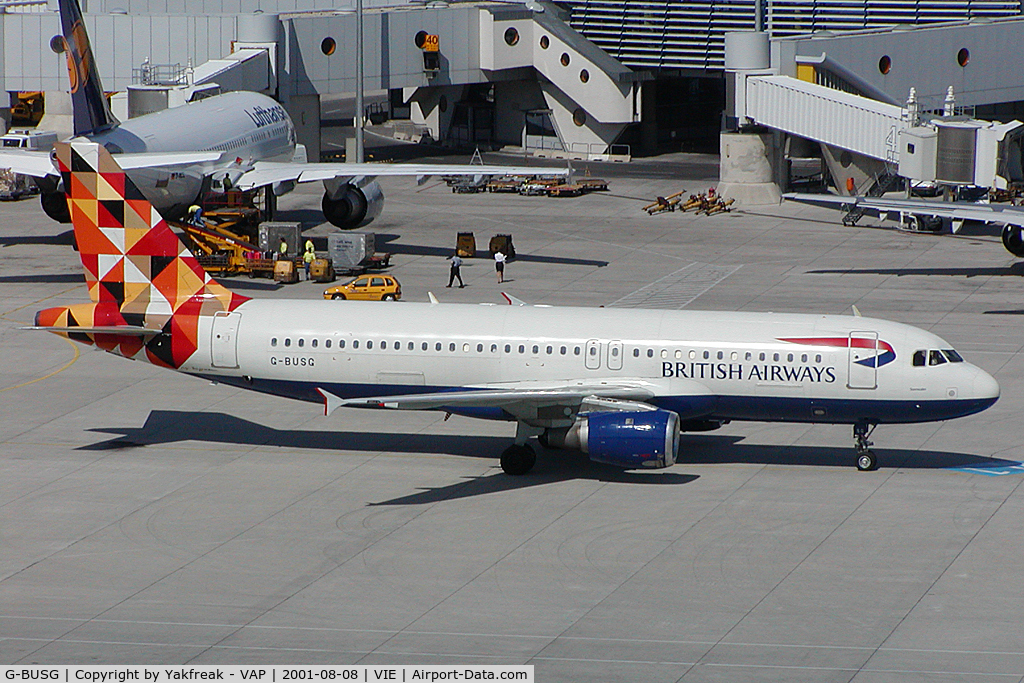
(866, 458)
(519, 458)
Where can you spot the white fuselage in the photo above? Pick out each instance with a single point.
(245, 127)
(702, 365)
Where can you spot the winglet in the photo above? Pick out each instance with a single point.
(433, 299)
(331, 402)
(512, 300)
(856, 311)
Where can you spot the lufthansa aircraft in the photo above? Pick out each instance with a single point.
(617, 384)
(239, 139)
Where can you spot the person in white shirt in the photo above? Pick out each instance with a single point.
(499, 265)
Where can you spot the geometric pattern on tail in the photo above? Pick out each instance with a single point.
(137, 269)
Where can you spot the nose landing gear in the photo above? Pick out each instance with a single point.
(866, 459)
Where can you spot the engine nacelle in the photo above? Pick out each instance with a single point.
(351, 206)
(1013, 240)
(648, 439)
(55, 205)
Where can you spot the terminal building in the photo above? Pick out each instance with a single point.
(589, 79)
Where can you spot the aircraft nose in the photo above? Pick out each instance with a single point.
(985, 386)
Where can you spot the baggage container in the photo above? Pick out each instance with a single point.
(503, 243)
(270, 234)
(321, 270)
(348, 251)
(465, 245)
(285, 272)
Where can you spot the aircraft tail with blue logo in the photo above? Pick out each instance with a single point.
(91, 111)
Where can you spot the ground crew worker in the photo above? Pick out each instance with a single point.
(309, 256)
(282, 250)
(456, 270)
(195, 215)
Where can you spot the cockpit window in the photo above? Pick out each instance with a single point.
(936, 358)
(952, 356)
(920, 358)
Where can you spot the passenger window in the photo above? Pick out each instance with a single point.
(789, 358)
(451, 347)
(369, 344)
(707, 355)
(479, 348)
(327, 343)
(273, 342)
(355, 343)
(563, 350)
(377, 282)
(412, 346)
(919, 359)
(302, 342)
(692, 354)
(734, 356)
(313, 343)
(536, 349)
(650, 353)
(550, 350)
(361, 282)
(522, 349)
(424, 346)
(636, 353)
(721, 355)
(615, 351)
(576, 351)
(508, 348)
(664, 353)
(936, 358)
(761, 356)
(398, 345)
(437, 346)
(803, 358)
(593, 350)
(287, 342)
(679, 353)
(817, 358)
(465, 347)
(494, 348)
(775, 357)
(341, 343)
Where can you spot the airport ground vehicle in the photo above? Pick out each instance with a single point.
(367, 288)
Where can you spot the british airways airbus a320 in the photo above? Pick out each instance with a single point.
(617, 384)
(239, 139)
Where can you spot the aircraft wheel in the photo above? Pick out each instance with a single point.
(518, 459)
(867, 461)
(337, 295)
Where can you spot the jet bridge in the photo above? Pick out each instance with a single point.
(866, 142)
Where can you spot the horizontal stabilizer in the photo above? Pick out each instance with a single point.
(124, 330)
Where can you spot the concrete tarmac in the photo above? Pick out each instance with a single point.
(149, 517)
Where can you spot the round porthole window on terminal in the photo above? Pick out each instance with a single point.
(420, 39)
(443, 104)
(963, 56)
(544, 42)
(511, 36)
(584, 76)
(579, 117)
(328, 46)
(564, 59)
(884, 64)
(57, 44)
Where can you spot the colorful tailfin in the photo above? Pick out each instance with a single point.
(139, 273)
(91, 112)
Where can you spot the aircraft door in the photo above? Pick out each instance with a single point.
(615, 355)
(863, 360)
(593, 355)
(224, 340)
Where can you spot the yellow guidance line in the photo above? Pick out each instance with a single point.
(73, 345)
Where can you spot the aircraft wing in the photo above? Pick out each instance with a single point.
(1012, 215)
(267, 172)
(27, 162)
(517, 399)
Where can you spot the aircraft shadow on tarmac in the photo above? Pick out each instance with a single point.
(444, 252)
(169, 426)
(66, 237)
(1016, 270)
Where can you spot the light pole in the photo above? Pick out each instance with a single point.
(359, 82)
